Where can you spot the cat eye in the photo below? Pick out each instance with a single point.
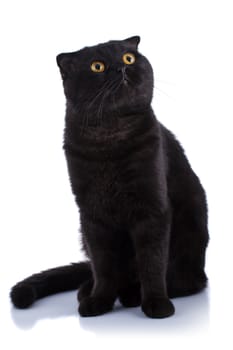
(129, 58)
(97, 67)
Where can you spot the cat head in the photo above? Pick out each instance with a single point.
(110, 78)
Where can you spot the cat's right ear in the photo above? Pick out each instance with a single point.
(65, 63)
(133, 41)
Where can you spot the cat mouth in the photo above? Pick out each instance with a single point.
(125, 81)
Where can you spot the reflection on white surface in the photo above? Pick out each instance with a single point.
(192, 315)
(56, 306)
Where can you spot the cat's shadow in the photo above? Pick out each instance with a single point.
(192, 313)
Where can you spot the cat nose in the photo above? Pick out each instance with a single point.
(121, 69)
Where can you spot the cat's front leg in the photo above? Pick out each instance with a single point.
(100, 248)
(151, 239)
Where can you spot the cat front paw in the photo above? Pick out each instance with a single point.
(158, 307)
(85, 290)
(94, 306)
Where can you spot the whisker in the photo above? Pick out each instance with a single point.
(117, 87)
(161, 91)
(100, 109)
(99, 93)
(90, 102)
(108, 88)
(164, 82)
(102, 91)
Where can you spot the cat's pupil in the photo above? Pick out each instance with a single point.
(97, 66)
(129, 59)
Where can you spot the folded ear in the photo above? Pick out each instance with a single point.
(65, 63)
(133, 41)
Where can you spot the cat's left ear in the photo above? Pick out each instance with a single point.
(133, 41)
(65, 63)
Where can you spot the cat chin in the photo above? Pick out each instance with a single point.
(125, 82)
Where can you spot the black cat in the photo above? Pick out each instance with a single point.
(143, 210)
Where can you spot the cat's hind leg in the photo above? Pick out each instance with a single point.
(189, 239)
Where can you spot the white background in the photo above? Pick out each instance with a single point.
(189, 44)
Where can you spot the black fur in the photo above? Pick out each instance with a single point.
(143, 210)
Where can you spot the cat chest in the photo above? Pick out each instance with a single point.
(115, 190)
(103, 187)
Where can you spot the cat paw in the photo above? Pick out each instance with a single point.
(85, 290)
(130, 296)
(94, 306)
(158, 307)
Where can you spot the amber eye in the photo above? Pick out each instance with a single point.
(129, 58)
(97, 67)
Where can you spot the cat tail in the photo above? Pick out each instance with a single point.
(52, 281)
